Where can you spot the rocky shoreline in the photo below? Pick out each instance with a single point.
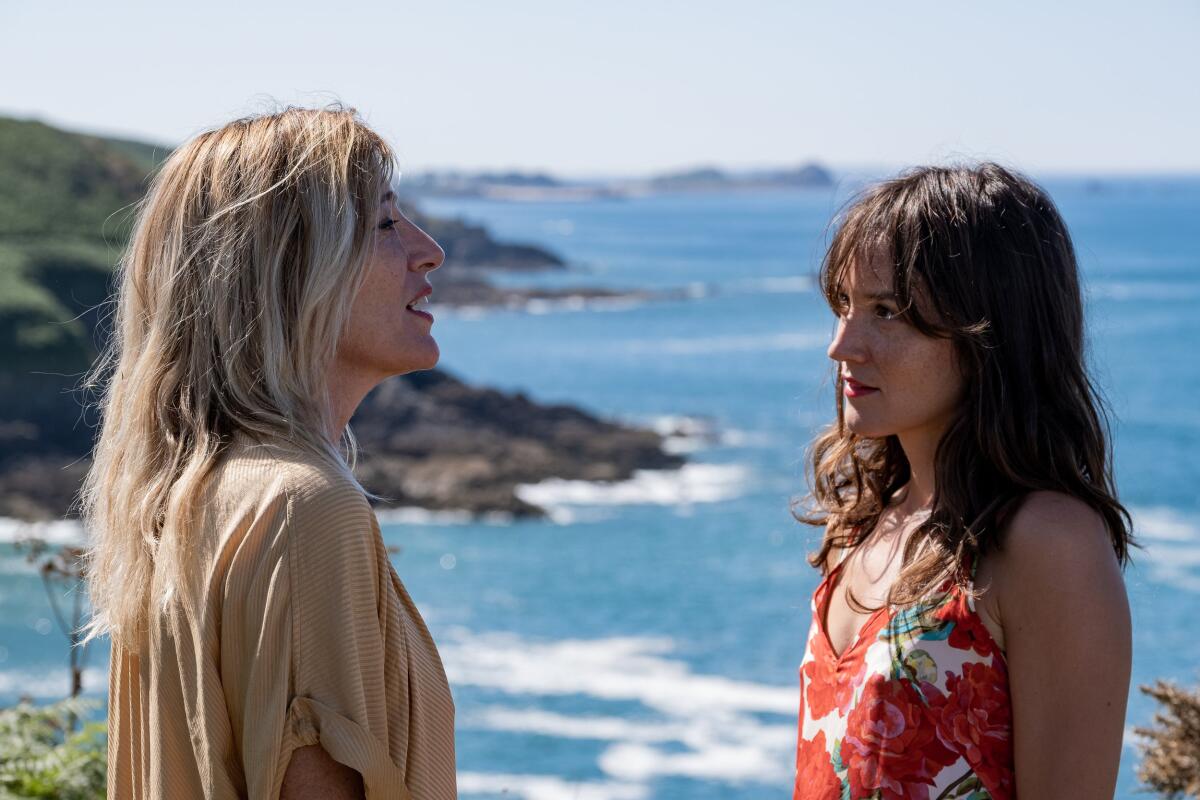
(428, 439)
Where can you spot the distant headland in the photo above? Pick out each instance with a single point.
(429, 439)
(541, 186)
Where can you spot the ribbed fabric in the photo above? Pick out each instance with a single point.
(305, 635)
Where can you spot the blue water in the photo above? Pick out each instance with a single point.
(645, 644)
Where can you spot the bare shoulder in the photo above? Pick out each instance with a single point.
(1068, 647)
(1055, 553)
(1050, 526)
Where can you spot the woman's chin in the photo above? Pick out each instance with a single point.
(426, 356)
(865, 428)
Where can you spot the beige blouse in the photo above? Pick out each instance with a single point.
(306, 636)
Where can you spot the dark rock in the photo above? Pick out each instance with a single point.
(430, 440)
(426, 439)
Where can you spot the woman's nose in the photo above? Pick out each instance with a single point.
(847, 344)
(423, 252)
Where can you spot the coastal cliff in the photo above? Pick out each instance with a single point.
(428, 439)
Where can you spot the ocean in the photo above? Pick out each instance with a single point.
(644, 641)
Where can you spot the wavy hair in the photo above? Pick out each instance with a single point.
(231, 298)
(990, 253)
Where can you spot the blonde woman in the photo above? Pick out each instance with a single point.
(262, 644)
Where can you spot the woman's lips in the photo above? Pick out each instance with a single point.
(855, 389)
(424, 314)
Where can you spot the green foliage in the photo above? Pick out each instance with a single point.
(65, 212)
(40, 757)
(55, 182)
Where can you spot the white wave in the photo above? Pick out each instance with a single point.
(58, 531)
(422, 516)
(723, 746)
(52, 683)
(620, 668)
(748, 761)
(708, 727)
(686, 434)
(545, 787)
(683, 434)
(578, 302)
(733, 437)
(1164, 524)
(690, 484)
(1131, 739)
(1172, 545)
(565, 515)
(714, 345)
(787, 284)
(1147, 290)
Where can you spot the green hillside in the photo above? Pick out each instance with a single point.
(66, 209)
(65, 213)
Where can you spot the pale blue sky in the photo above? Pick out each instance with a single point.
(622, 87)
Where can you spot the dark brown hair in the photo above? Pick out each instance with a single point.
(991, 258)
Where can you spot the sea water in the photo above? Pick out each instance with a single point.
(644, 641)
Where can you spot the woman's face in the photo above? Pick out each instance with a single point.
(386, 335)
(895, 379)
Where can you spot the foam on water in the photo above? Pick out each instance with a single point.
(544, 787)
(689, 485)
(699, 726)
(59, 531)
(52, 683)
(683, 434)
(423, 516)
(1172, 545)
(1143, 290)
(786, 284)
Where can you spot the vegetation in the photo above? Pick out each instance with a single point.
(65, 212)
(40, 756)
(1171, 755)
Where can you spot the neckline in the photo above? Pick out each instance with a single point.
(826, 598)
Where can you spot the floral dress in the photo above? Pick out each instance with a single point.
(916, 708)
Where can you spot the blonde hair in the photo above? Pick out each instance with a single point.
(244, 261)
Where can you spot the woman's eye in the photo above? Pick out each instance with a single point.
(387, 224)
(883, 312)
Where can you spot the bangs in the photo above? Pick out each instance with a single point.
(887, 224)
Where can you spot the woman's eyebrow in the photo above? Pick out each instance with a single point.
(388, 197)
(882, 294)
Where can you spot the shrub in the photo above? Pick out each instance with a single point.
(40, 756)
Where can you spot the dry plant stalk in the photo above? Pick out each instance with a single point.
(1171, 752)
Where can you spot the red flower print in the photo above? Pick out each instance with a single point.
(828, 683)
(891, 745)
(974, 717)
(824, 688)
(969, 632)
(815, 778)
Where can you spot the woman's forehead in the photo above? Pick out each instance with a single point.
(870, 274)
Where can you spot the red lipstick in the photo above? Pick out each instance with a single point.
(854, 388)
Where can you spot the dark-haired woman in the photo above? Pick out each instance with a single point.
(971, 634)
